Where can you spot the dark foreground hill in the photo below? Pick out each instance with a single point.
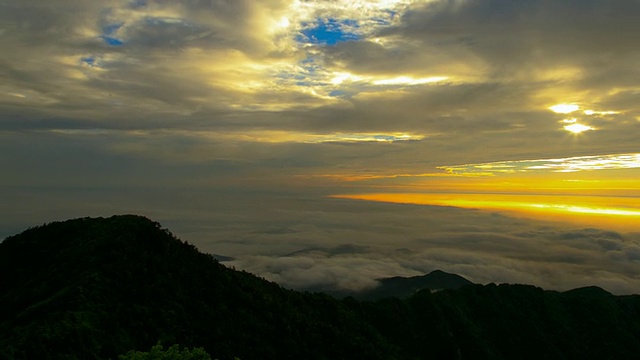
(96, 288)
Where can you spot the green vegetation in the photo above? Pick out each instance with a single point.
(99, 288)
(172, 353)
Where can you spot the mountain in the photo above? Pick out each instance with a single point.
(97, 288)
(405, 287)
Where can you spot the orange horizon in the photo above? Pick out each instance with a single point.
(616, 213)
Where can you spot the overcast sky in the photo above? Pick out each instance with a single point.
(294, 136)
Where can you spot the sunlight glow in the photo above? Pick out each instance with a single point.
(564, 108)
(593, 112)
(618, 212)
(504, 202)
(284, 22)
(578, 128)
(587, 210)
(340, 77)
(406, 80)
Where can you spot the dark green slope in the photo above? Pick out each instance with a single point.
(96, 288)
(525, 322)
(511, 322)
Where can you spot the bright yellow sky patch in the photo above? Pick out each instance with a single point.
(407, 80)
(593, 112)
(578, 128)
(620, 213)
(340, 77)
(564, 108)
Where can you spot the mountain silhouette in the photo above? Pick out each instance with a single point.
(405, 287)
(95, 288)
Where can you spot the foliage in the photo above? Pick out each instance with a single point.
(172, 353)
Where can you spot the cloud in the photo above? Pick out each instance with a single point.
(508, 250)
(573, 164)
(523, 34)
(208, 65)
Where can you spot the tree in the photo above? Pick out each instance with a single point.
(172, 353)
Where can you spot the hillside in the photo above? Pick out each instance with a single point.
(96, 288)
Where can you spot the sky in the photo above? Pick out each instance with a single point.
(326, 144)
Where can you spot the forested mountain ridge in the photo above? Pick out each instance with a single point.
(97, 288)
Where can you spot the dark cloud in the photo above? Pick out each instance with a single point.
(520, 33)
(343, 249)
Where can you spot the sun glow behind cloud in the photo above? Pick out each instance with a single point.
(578, 128)
(593, 112)
(564, 108)
(407, 80)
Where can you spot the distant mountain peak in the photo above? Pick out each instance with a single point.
(404, 287)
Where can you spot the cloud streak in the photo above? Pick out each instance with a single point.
(572, 164)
